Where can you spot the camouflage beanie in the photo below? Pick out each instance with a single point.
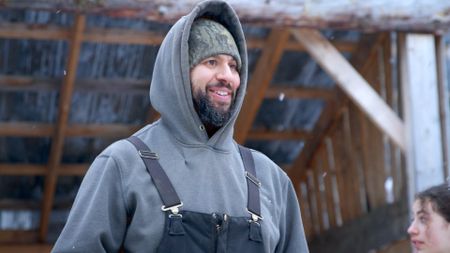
(208, 38)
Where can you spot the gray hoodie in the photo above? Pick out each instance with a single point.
(207, 173)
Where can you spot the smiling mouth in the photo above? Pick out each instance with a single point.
(221, 93)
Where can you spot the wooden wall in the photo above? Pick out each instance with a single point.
(356, 170)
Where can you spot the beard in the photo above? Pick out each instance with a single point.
(210, 114)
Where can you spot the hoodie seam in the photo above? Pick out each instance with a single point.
(117, 167)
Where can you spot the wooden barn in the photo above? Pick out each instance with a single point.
(349, 97)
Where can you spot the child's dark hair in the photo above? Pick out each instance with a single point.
(439, 197)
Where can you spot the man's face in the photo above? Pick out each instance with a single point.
(215, 81)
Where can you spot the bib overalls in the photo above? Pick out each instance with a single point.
(194, 232)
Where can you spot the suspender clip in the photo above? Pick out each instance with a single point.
(255, 217)
(173, 209)
(253, 179)
(148, 154)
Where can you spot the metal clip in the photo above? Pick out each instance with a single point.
(255, 217)
(253, 179)
(173, 209)
(148, 154)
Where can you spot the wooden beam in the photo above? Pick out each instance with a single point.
(59, 135)
(277, 90)
(298, 171)
(7, 169)
(25, 83)
(21, 248)
(419, 15)
(26, 129)
(123, 36)
(15, 169)
(421, 109)
(18, 236)
(100, 130)
(353, 84)
(9, 30)
(261, 134)
(444, 101)
(30, 129)
(343, 46)
(368, 232)
(260, 81)
(331, 111)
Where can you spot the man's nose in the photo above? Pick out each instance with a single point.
(225, 73)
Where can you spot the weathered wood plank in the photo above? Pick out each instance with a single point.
(277, 90)
(116, 131)
(20, 248)
(303, 197)
(357, 150)
(368, 232)
(317, 174)
(299, 165)
(9, 30)
(444, 101)
(18, 236)
(33, 129)
(373, 148)
(328, 183)
(260, 81)
(261, 134)
(421, 107)
(315, 216)
(25, 169)
(334, 180)
(341, 172)
(26, 129)
(349, 162)
(366, 48)
(61, 127)
(373, 15)
(353, 84)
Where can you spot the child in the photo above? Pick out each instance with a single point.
(430, 228)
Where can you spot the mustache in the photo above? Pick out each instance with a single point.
(219, 85)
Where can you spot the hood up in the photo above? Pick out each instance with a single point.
(170, 90)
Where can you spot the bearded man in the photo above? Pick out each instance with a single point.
(182, 184)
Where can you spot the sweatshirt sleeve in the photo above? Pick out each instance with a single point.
(97, 220)
(292, 234)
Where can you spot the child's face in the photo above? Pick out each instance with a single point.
(429, 231)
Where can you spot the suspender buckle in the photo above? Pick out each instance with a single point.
(148, 154)
(253, 179)
(255, 217)
(173, 209)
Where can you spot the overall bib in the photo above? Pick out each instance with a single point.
(194, 232)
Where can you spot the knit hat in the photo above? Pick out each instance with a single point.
(208, 38)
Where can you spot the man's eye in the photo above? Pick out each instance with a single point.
(211, 62)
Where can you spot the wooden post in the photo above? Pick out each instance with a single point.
(421, 111)
(443, 102)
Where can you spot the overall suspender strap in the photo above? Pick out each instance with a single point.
(253, 184)
(162, 183)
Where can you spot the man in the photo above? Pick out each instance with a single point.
(195, 191)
